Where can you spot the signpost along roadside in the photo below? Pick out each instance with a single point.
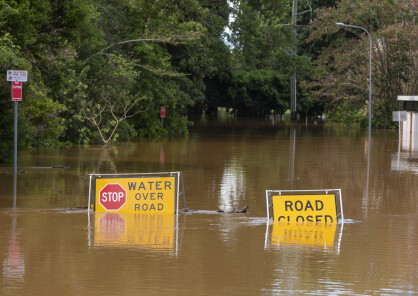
(162, 115)
(16, 77)
(152, 193)
(324, 206)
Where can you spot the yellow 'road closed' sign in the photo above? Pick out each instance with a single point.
(304, 206)
(140, 194)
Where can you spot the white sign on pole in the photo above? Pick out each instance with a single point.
(17, 75)
(399, 115)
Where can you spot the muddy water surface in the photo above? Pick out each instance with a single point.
(46, 248)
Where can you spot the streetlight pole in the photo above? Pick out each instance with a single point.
(370, 108)
(370, 69)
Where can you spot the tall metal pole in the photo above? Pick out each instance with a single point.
(370, 108)
(370, 70)
(15, 139)
(293, 114)
(15, 156)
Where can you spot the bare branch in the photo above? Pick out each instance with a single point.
(111, 106)
(172, 39)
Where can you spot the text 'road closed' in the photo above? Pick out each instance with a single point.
(305, 208)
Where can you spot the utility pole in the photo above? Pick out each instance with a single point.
(293, 114)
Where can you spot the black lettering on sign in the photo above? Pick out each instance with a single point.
(318, 218)
(167, 184)
(308, 206)
(309, 219)
(160, 195)
(298, 205)
(152, 207)
(330, 218)
(150, 185)
(132, 185)
(301, 218)
(289, 204)
(319, 205)
(158, 185)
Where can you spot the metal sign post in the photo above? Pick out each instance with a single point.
(16, 77)
(15, 140)
(162, 115)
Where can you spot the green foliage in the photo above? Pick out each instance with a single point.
(119, 61)
(343, 67)
(255, 93)
(83, 55)
(262, 58)
(348, 114)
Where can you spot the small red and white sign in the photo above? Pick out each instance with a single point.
(162, 112)
(112, 197)
(17, 75)
(17, 91)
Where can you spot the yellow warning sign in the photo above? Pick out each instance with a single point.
(140, 195)
(305, 208)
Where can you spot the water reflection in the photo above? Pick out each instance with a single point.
(292, 152)
(107, 158)
(407, 157)
(123, 230)
(162, 155)
(232, 186)
(14, 263)
(403, 161)
(365, 200)
(318, 236)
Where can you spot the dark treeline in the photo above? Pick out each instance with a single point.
(99, 71)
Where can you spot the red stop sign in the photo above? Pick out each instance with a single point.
(112, 197)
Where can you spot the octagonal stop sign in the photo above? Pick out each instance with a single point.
(112, 197)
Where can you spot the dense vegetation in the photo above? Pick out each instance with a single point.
(99, 70)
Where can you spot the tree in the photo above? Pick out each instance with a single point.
(262, 59)
(341, 80)
(105, 106)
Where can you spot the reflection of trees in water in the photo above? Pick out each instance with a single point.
(106, 157)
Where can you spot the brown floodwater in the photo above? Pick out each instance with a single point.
(49, 246)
